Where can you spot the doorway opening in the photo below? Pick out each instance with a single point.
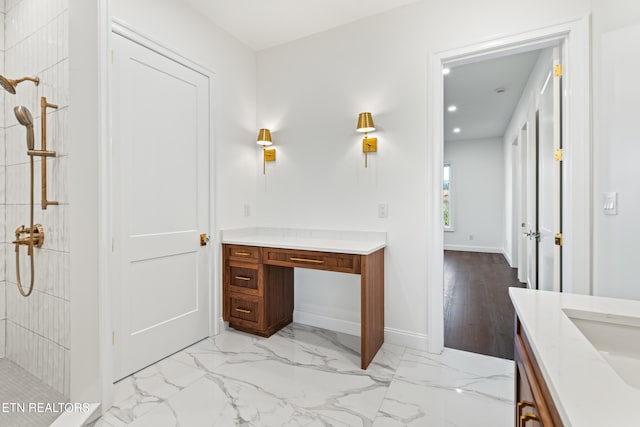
(572, 37)
(486, 103)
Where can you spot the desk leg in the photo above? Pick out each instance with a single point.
(372, 306)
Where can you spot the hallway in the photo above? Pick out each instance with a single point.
(478, 315)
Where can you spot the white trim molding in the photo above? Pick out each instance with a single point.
(577, 155)
(483, 249)
(392, 336)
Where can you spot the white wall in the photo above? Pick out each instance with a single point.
(310, 93)
(477, 195)
(616, 95)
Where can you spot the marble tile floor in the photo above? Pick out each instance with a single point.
(305, 376)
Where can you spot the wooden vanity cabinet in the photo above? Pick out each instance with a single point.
(247, 304)
(534, 406)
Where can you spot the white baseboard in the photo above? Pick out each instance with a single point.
(392, 336)
(406, 339)
(507, 256)
(333, 324)
(465, 248)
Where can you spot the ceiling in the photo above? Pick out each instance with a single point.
(261, 24)
(482, 112)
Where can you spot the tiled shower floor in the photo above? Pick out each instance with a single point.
(17, 386)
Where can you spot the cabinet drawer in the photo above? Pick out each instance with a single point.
(244, 280)
(242, 253)
(245, 310)
(344, 263)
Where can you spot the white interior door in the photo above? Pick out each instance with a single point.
(161, 200)
(531, 223)
(549, 208)
(522, 210)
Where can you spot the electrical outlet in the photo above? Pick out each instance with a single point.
(246, 209)
(471, 237)
(383, 210)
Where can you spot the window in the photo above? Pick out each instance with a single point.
(447, 211)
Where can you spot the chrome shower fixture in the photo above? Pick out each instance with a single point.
(10, 85)
(25, 119)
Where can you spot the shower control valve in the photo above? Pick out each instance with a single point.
(35, 236)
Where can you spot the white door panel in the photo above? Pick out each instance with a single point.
(161, 199)
(532, 202)
(549, 209)
(545, 187)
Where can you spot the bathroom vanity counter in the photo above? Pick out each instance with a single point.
(587, 350)
(351, 242)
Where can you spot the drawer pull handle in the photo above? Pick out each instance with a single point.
(246, 279)
(528, 417)
(243, 310)
(312, 261)
(242, 253)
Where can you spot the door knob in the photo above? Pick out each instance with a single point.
(204, 239)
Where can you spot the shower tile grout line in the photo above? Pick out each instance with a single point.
(57, 344)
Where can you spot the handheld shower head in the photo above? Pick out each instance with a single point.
(25, 119)
(10, 85)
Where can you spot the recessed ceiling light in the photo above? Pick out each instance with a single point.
(456, 130)
(446, 71)
(452, 108)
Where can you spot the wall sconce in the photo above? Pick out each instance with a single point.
(369, 145)
(264, 139)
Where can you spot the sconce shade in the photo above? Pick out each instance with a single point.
(264, 137)
(365, 123)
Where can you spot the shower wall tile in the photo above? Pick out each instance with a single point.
(3, 199)
(35, 43)
(38, 355)
(3, 328)
(3, 277)
(2, 26)
(57, 180)
(3, 303)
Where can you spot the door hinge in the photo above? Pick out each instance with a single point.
(557, 155)
(557, 70)
(558, 239)
(113, 338)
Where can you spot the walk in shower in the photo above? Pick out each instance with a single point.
(34, 317)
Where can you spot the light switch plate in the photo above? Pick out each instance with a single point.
(610, 205)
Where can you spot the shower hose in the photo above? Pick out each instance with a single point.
(30, 250)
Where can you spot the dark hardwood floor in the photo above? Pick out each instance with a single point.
(478, 315)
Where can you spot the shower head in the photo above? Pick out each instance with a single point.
(10, 85)
(25, 119)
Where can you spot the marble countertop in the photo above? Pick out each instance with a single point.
(352, 242)
(585, 388)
